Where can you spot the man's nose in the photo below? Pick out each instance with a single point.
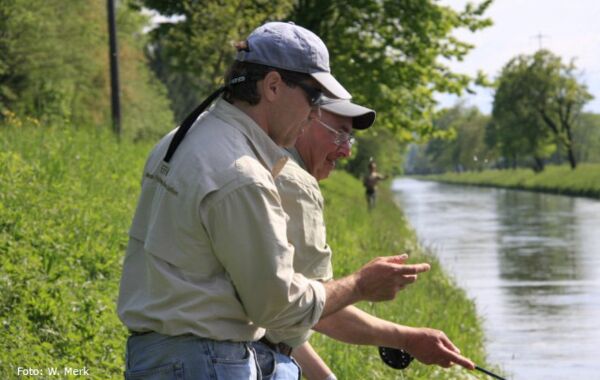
(345, 150)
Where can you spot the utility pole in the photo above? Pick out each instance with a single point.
(539, 37)
(114, 68)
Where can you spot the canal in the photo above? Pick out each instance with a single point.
(531, 263)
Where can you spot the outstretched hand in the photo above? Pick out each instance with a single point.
(383, 277)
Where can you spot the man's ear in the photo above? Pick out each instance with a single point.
(271, 86)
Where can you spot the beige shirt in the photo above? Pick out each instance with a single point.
(302, 200)
(208, 252)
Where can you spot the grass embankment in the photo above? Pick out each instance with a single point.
(66, 201)
(583, 181)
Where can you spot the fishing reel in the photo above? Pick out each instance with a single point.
(395, 358)
(400, 359)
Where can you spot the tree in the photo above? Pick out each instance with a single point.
(465, 149)
(192, 55)
(381, 147)
(587, 138)
(517, 131)
(462, 148)
(54, 66)
(538, 101)
(386, 52)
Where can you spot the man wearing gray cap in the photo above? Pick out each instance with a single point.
(327, 139)
(208, 266)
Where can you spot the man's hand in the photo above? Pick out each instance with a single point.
(378, 280)
(431, 346)
(383, 277)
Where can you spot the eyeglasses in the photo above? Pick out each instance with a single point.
(341, 138)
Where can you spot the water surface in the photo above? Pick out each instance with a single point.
(530, 261)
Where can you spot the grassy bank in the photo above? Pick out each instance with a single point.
(583, 181)
(434, 301)
(66, 201)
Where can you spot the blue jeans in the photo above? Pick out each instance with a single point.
(155, 356)
(275, 366)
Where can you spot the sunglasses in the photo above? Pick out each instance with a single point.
(313, 94)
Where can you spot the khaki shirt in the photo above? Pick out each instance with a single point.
(208, 252)
(302, 200)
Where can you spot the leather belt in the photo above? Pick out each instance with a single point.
(281, 348)
(138, 333)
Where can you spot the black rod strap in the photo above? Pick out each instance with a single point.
(188, 122)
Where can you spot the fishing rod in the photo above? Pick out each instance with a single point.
(400, 359)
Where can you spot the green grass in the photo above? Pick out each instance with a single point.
(583, 181)
(66, 200)
(356, 236)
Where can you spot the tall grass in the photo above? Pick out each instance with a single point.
(66, 200)
(583, 181)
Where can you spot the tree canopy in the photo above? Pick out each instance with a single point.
(462, 149)
(54, 66)
(191, 56)
(388, 53)
(537, 103)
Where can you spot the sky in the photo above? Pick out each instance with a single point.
(569, 28)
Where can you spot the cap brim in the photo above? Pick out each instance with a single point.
(332, 87)
(362, 117)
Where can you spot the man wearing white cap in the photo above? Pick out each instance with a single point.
(327, 139)
(208, 265)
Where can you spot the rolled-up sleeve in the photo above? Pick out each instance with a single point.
(247, 228)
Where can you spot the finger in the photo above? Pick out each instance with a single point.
(461, 360)
(413, 269)
(398, 259)
(448, 343)
(402, 281)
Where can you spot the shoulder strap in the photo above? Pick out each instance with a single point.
(188, 122)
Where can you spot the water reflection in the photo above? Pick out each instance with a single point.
(531, 262)
(536, 237)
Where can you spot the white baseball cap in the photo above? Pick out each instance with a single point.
(362, 117)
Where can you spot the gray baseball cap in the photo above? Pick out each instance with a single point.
(362, 117)
(291, 47)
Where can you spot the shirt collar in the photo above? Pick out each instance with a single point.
(294, 155)
(269, 153)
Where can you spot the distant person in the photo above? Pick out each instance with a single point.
(208, 265)
(314, 156)
(370, 182)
